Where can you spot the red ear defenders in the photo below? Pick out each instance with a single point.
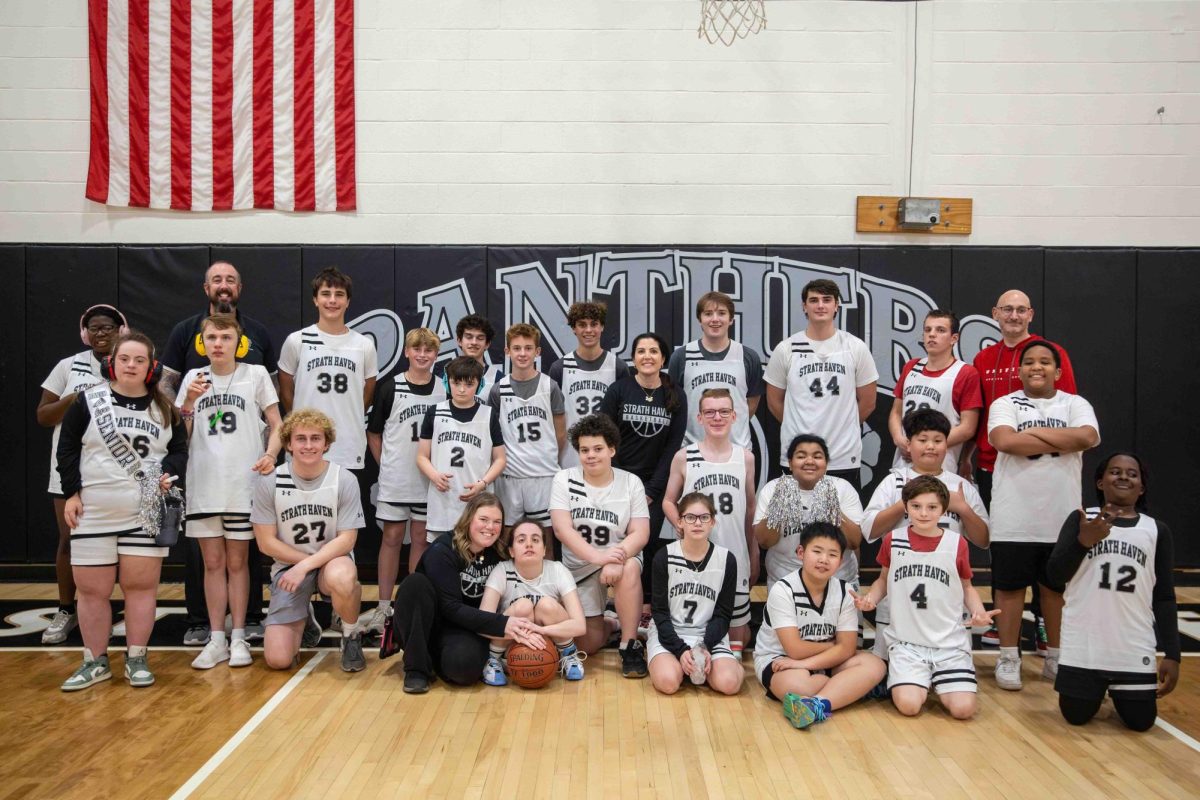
(122, 328)
(152, 375)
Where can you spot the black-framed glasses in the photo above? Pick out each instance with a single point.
(94, 329)
(692, 519)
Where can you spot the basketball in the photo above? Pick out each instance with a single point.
(532, 669)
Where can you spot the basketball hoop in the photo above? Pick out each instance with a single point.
(729, 20)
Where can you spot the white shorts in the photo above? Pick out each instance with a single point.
(525, 497)
(103, 549)
(400, 512)
(593, 595)
(945, 669)
(653, 648)
(211, 526)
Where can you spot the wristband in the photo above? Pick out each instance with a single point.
(186, 414)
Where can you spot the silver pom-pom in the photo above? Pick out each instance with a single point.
(788, 514)
(150, 498)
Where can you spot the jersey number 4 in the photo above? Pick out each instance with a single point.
(918, 596)
(1126, 575)
(831, 386)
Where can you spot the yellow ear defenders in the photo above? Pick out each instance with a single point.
(242, 348)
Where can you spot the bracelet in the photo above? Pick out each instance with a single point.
(186, 414)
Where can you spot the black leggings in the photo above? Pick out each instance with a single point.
(1137, 715)
(457, 655)
(657, 518)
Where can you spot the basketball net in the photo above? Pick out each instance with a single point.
(729, 20)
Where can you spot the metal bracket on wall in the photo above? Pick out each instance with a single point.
(882, 215)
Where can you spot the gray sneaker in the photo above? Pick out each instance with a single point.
(137, 672)
(254, 631)
(197, 635)
(88, 673)
(353, 659)
(312, 630)
(60, 627)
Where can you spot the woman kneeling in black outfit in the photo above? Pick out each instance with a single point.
(436, 618)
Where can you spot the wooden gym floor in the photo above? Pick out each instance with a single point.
(318, 732)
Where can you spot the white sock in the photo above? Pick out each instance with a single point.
(1013, 653)
(1052, 652)
(218, 637)
(239, 633)
(87, 655)
(349, 628)
(497, 652)
(385, 606)
(135, 651)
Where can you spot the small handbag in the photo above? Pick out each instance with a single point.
(171, 519)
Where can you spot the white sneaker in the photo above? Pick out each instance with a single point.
(60, 627)
(213, 653)
(1008, 673)
(239, 653)
(373, 621)
(1050, 668)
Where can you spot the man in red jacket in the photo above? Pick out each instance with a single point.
(997, 367)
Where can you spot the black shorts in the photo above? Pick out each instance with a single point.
(1091, 684)
(1016, 565)
(767, 673)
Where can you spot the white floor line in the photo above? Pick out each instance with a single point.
(227, 749)
(49, 648)
(1178, 734)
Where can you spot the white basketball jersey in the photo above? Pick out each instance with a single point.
(111, 498)
(528, 428)
(72, 375)
(600, 514)
(555, 582)
(463, 449)
(926, 593)
(725, 484)
(814, 623)
(693, 588)
(822, 399)
(922, 391)
(306, 520)
(399, 479)
(700, 373)
(1108, 621)
(226, 439)
(331, 377)
(583, 390)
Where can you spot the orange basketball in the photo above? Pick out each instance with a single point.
(532, 669)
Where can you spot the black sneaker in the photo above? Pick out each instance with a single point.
(633, 659)
(312, 630)
(415, 683)
(353, 659)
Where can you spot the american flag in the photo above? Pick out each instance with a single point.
(224, 104)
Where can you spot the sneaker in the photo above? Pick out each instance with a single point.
(803, 711)
(213, 653)
(699, 663)
(335, 623)
(89, 672)
(1050, 668)
(239, 653)
(493, 672)
(312, 630)
(254, 632)
(197, 635)
(1041, 641)
(353, 659)
(633, 659)
(991, 638)
(570, 663)
(374, 620)
(137, 672)
(415, 683)
(880, 691)
(1008, 673)
(60, 627)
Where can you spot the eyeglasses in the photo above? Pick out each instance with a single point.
(713, 413)
(692, 519)
(1020, 311)
(101, 328)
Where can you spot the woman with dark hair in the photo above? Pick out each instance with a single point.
(436, 618)
(1115, 561)
(651, 414)
(99, 327)
(122, 444)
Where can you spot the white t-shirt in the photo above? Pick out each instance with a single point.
(781, 557)
(72, 375)
(554, 582)
(600, 514)
(821, 379)
(330, 374)
(1032, 495)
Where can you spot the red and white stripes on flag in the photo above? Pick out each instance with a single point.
(222, 104)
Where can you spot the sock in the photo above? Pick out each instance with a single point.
(67, 607)
(385, 606)
(1013, 653)
(217, 636)
(137, 651)
(87, 655)
(625, 644)
(1052, 652)
(825, 704)
(349, 628)
(239, 633)
(565, 649)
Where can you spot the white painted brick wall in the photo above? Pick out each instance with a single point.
(494, 121)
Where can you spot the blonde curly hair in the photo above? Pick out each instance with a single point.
(309, 418)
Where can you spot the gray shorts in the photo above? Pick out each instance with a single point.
(288, 606)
